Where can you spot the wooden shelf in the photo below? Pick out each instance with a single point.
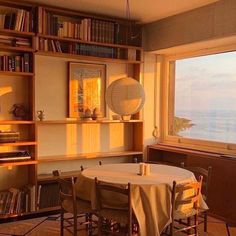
(47, 122)
(18, 163)
(16, 49)
(16, 33)
(14, 73)
(20, 143)
(86, 58)
(86, 156)
(29, 215)
(16, 122)
(89, 42)
(49, 177)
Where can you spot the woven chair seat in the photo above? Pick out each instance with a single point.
(82, 206)
(184, 214)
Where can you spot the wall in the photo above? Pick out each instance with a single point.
(213, 21)
(151, 108)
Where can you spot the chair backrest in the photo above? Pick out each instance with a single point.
(206, 173)
(104, 189)
(178, 194)
(66, 190)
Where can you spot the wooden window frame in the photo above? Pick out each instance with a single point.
(168, 105)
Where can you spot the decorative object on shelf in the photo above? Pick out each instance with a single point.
(87, 115)
(96, 114)
(86, 88)
(19, 111)
(125, 97)
(40, 115)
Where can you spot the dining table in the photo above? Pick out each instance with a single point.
(150, 194)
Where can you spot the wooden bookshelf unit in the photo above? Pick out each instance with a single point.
(29, 30)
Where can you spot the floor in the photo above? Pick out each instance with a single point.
(50, 226)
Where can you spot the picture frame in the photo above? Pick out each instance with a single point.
(87, 84)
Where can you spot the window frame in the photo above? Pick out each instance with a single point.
(168, 104)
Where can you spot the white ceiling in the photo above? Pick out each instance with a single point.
(142, 10)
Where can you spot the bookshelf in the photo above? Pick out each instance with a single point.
(28, 30)
(17, 72)
(67, 32)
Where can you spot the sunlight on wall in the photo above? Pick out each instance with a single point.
(71, 139)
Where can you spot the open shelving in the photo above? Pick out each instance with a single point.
(100, 39)
(87, 156)
(17, 47)
(45, 122)
(86, 37)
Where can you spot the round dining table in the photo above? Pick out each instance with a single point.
(150, 194)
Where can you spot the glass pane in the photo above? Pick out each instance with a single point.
(205, 98)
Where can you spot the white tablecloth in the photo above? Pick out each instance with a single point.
(151, 195)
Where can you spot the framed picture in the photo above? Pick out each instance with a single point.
(86, 89)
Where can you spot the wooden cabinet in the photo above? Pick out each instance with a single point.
(27, 31)
(222, 189)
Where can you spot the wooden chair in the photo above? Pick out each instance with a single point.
(178, 200)
(205, 186)
(228, 226)
(71, 204)
(121, 215)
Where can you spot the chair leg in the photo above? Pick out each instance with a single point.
(196, 225)
(172, 228)
(75, 224)
(205, 221)
(100, 226)
(227, 228)
(62, 222)
(189, 223)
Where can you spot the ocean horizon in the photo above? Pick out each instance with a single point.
(215, 125)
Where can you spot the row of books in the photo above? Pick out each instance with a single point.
(86, 29)
(20, 20)
(17, 63)
(15, 201)
(83, 49)
(15, 41)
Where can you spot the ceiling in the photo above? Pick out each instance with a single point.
(144, 11)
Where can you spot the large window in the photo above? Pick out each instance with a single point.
(202, 98)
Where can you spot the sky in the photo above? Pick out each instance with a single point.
(206, 83)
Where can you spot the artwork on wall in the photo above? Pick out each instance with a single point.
(87, 90)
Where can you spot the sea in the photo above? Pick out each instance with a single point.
(214, 125)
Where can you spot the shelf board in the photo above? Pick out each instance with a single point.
(29, 215)
(18, 163)
(20, 143)
(16, 33)
(14, 73)
(86, 58)
(89, 42)
(82, 156)
(16, 122)
(16, 49)
(86, 122)
(49, 177)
